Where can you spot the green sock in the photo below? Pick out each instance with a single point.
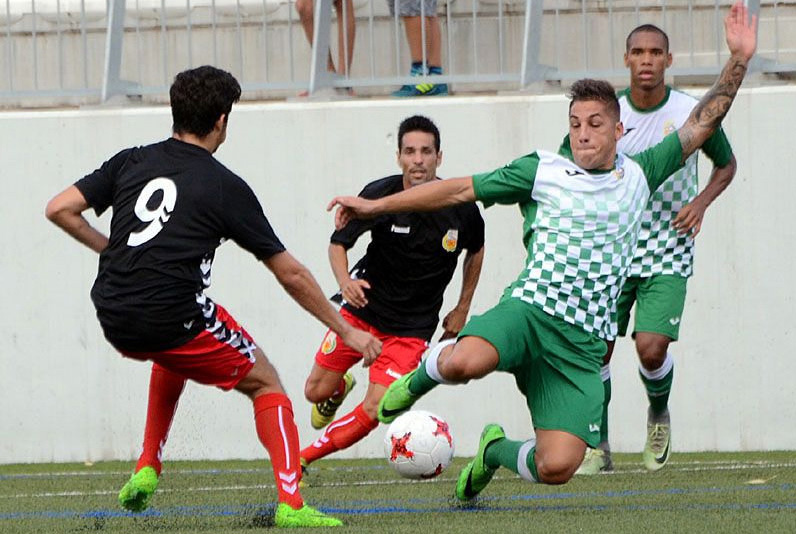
(606, 401)
(421, 383)
(658, 391)
(504, 453)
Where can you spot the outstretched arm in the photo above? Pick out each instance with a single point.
(66, 210)
(301, 285)
(741, 35)
(453, 323)
(427, 197)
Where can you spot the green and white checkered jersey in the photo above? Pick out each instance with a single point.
(580, 233)
(661, 249)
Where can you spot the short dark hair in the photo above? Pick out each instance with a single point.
(418, 123)
(599, 90)
(648, 28)
(199, 97)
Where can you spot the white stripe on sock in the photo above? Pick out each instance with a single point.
(605, 372)
(339, 423)
(284, 437)
(522, 460)
(660, 372)
(432, 369)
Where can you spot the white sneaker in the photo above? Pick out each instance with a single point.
(659, 445)
(594, 462)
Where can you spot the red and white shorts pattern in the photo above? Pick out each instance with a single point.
(221, 355)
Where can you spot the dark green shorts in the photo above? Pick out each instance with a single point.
(659, 300)
(556, 365)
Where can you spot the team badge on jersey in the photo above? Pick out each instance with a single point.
(329, 343)
(450, 240)
(668, 127)
(619, 173)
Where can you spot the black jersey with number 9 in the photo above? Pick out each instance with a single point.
(173, 204)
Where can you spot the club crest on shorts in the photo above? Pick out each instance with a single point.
(329, 343)
(450, 240)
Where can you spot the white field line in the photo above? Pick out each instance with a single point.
(680, 466)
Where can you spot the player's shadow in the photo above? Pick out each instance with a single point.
(262, 517)
(474, 505)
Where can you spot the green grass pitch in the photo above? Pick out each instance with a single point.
(707, 492)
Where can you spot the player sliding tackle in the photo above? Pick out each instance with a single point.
(582, 214)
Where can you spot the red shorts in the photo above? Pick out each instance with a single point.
(399, 355)
(221, 355)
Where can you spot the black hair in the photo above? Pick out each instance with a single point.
(648, 28)
(199, 97)
(418, 123)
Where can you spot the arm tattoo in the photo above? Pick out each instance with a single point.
(712, 108)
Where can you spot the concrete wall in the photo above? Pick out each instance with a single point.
(66, 396)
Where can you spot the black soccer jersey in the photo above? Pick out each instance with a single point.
(173, 204)
(410, 260)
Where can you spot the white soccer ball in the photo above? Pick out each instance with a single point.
(418, 445)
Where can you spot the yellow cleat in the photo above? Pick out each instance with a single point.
(323, 412)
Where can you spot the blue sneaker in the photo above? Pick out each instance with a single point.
(422, 89)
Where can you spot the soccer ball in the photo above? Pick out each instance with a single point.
(418, 445)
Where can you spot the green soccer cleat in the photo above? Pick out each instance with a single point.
(476, 475)
(139, 489)
(306, 516)
(323, 412)
(595, 461)
(397, 399)
(659, 445)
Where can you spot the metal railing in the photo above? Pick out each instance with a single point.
(86, 51)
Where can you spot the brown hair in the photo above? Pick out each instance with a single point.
(600, 90)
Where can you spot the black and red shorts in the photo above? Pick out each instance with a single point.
(220, 355)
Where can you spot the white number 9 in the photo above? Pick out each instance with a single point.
(155, 217)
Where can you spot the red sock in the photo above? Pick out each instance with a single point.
(273, 417)
(341, 434)
(165, 389)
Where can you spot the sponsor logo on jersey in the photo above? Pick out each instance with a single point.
(450, 240)
(628, 130)
(572, 172)
(329, 343)
(674, 321)
(400, 229)
(668, 127)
